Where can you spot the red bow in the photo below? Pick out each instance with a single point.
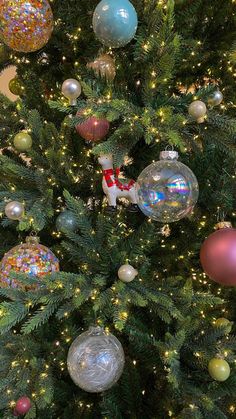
(110, 182)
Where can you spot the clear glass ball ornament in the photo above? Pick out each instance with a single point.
(167, 190)
(95, 360)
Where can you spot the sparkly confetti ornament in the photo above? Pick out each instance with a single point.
(198, 110)
(224, 323)
(14, 210)
(67, 221)
(22, 141)
(71, 89)
(167, 190)
(127, 273)
(25, 25)
(115, 22)
(218, 255)
(95, 360)
(23, 405)
(93, 129)
(219, 369)
(104, 66)
(15, 86)
(216, 98)
(30, 258)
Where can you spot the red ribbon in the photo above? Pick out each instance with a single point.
(110, 182)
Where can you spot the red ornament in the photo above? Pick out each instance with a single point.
(93, 129)
(23, 405)
(218, 256)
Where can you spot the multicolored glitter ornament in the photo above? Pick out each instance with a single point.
(25, 26)
(29, 258)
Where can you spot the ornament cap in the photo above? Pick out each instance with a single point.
(96, 330)
(223, 224)
(169, 155)
(32, 239)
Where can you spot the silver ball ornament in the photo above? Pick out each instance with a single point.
(14, 210)
(127, 273)
(95, 360)
(216, 98)
(67, 221)
(198, 110)
(71, 89)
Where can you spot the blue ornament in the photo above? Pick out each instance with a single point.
(115, 22)
(67, 221)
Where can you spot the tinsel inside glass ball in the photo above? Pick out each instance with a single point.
(95, 360)
(167, 190)
(67, 221)
(29, 258)
(26, 25)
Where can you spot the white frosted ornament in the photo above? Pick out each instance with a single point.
(71, 89)
(198, 110)
(14, 210)
(127, 273)
(216, 98)
(95, 360)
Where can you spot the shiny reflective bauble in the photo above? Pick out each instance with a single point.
(14, 210)
(95, 360)
(26, 25)
(115, 22)
(224, 323)
(167, 190)
(127, 273)
(218, 256)
(22, 406)
(71, 89)
(198, 110)
(104, 66)
(15, 86)
(93, 129)
(67, 221)
(216, 98)
(219, 369)
(22, 141)
(29, 258)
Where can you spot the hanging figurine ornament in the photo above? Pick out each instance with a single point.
(198, 111)
(71, 89)
(104, 66)
(216, 98)
(113, 187)
(14, 210)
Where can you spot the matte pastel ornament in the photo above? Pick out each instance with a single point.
(224, 323)
(14, 210)
(216, 98)
(25, 25)
(104, 66)
(15, 86)
(115, 22)
(67, 221)
(22, 141)
(93, 129)
(29, 258)
(219, 369)
(198, 110)
(23, 405)
(95, 360)
(71, 89)
(167, 190)
(127, 273)
(218, 256)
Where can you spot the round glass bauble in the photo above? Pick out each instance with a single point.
(167, 190)
(93, 129)
(95, 360)
(219, 369)
(14, 210)
(67, 221)
(22, 141)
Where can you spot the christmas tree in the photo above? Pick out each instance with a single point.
(132, 324)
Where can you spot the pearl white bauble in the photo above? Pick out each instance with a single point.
(216, 98)
(127, 273)
(14, 210)
(71, 89)
(198, 110)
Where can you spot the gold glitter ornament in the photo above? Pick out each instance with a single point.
(104, 66)
(25, 25)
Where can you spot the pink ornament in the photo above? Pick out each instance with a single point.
(218, 256)
(93, 129)
(23, 405)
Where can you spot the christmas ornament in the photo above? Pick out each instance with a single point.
(14, 210)
(198, 110)
(30, 258)
(71, 89)
(22, 141)
(218, 255)
(67, 221)
(115, 22)
(43, 59)
(113, 188)
(167, 190)
(15, 86)
(104, 66)
(216, 98)
(23, 405)
(127, 273)
(219, 369)
(95, 360)
(93, 129)
(26, 25)
(223, 322)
